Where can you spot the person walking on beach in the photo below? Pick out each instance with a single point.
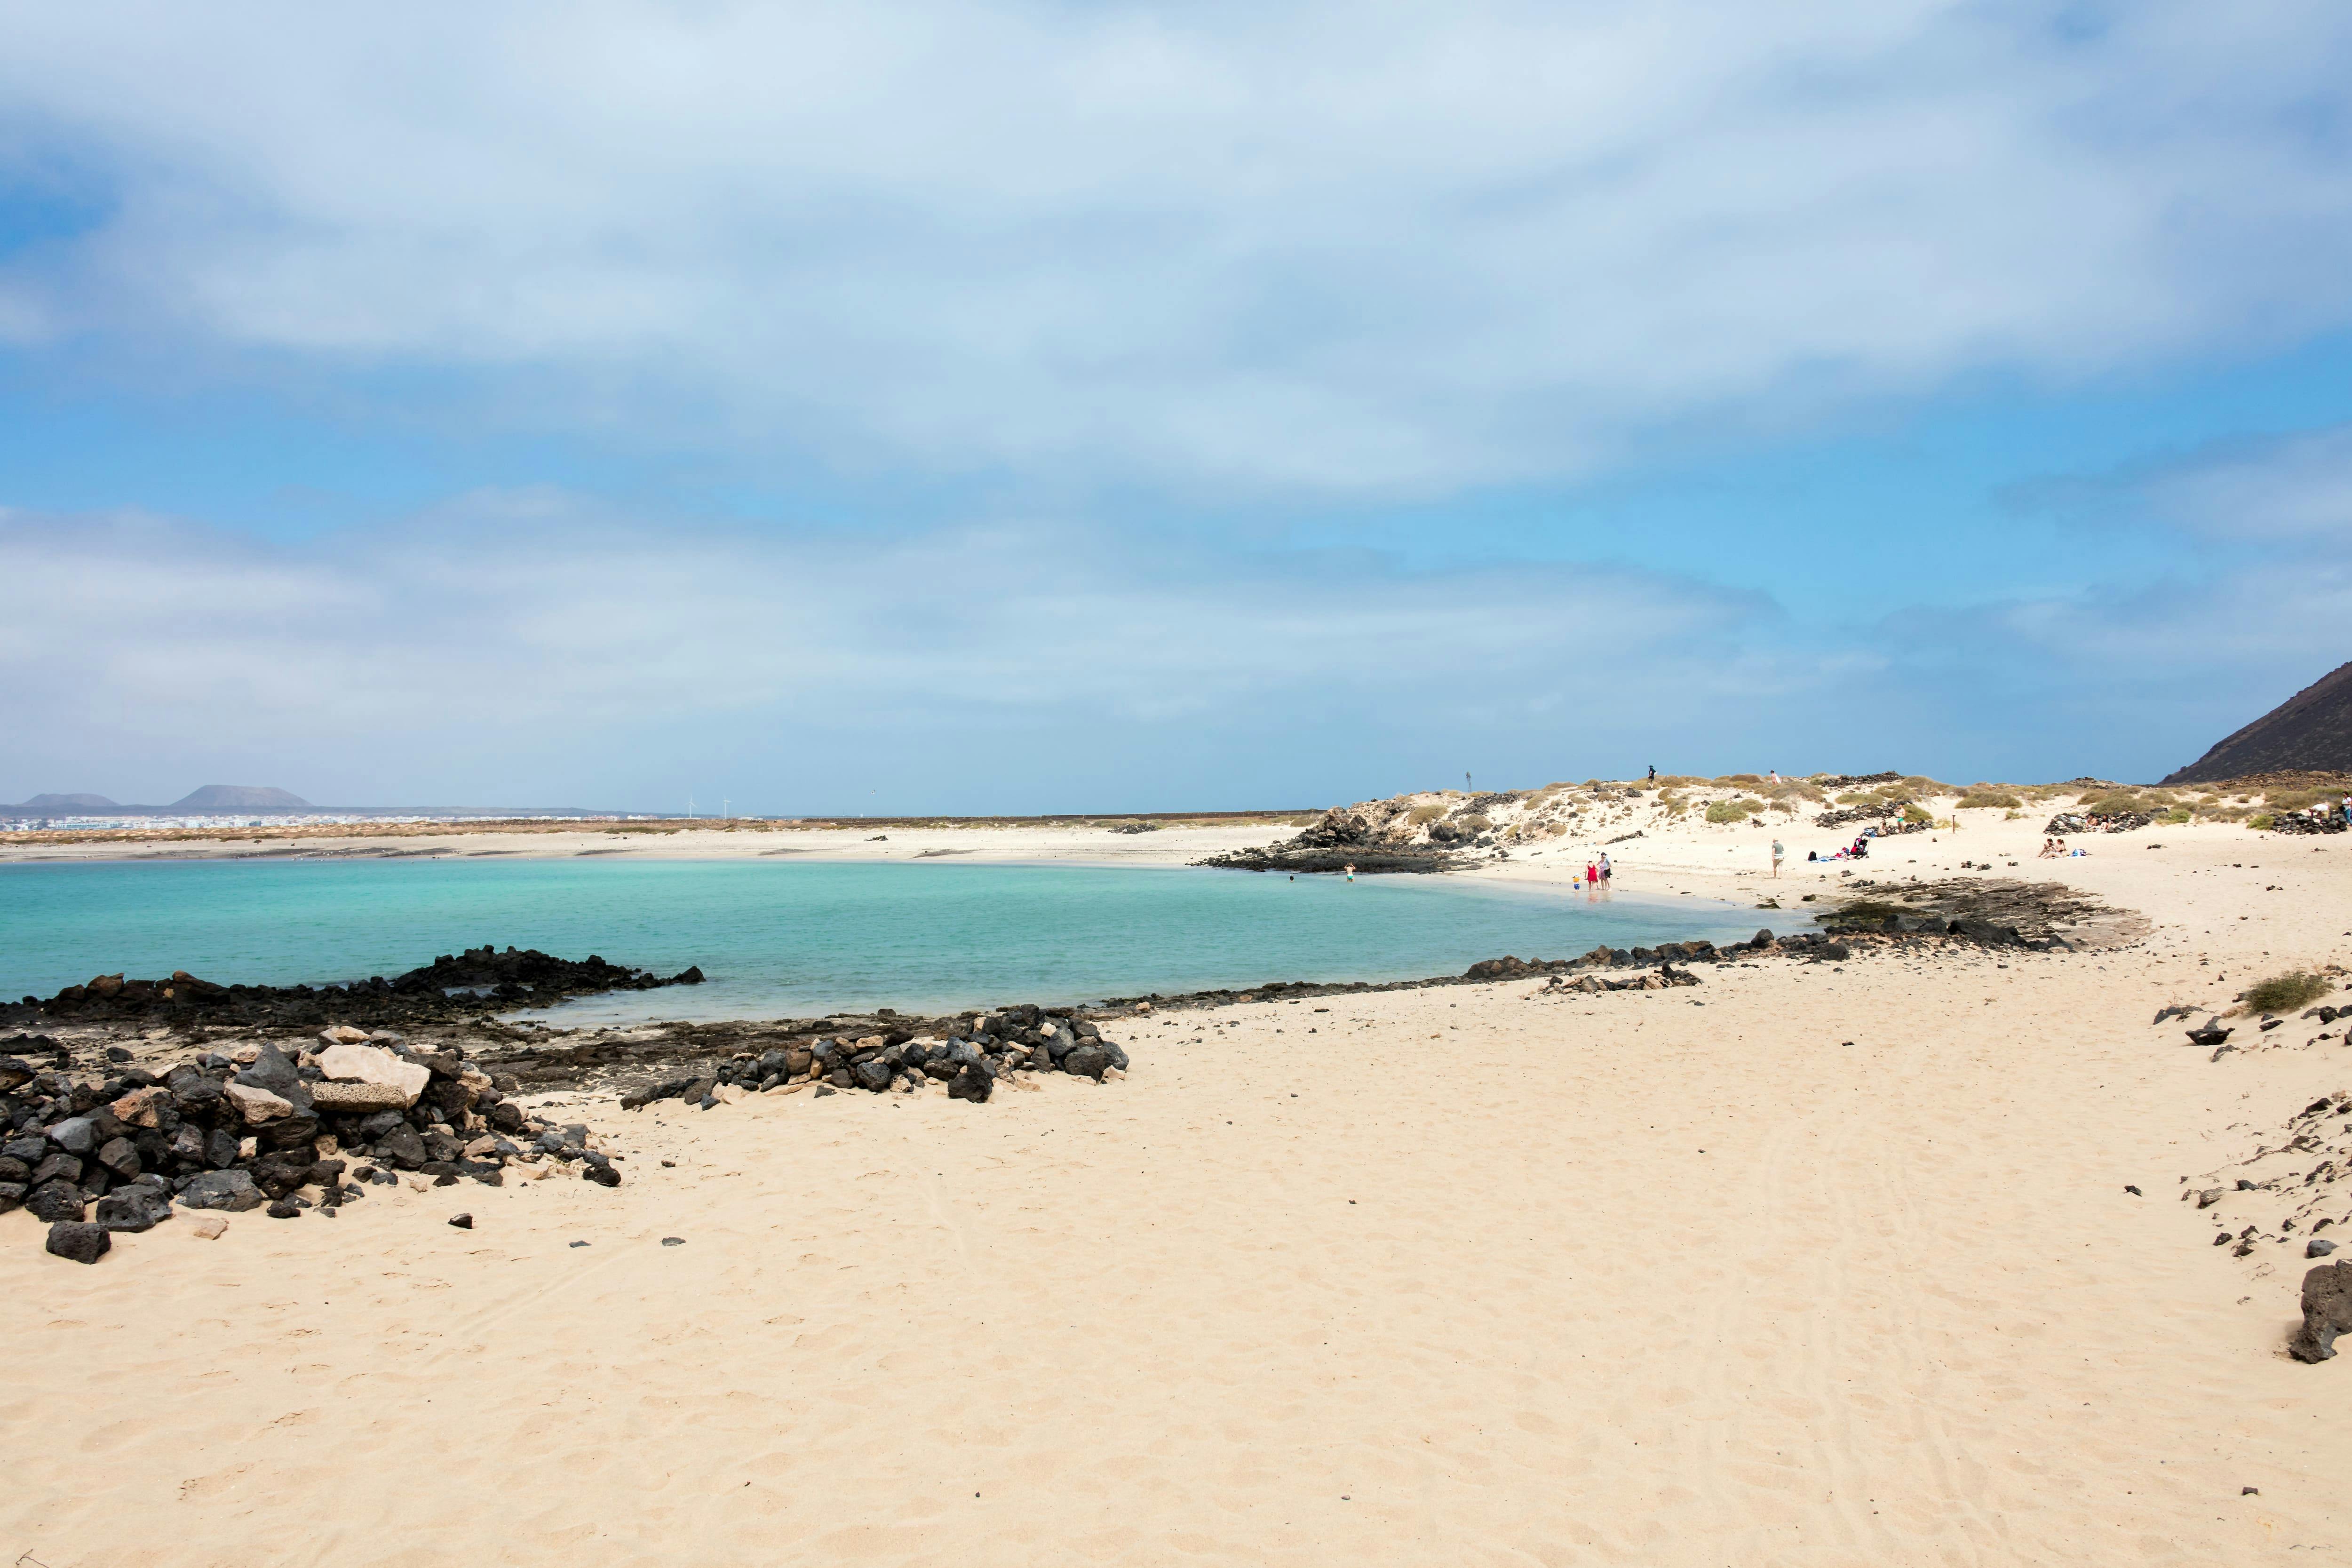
(1605, 872)
(1653, 778)
(1591, 876)
(1777, 852)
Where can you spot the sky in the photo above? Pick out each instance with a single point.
(974, 407)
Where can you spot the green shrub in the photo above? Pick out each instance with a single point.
(1916, 814)
(1426, 811)
(2285, 993)
(1724, 810)
(1472, 822)
(2176, 817)
(2261, 821)
(1988, 800)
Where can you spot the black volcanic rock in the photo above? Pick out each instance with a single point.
(1338, 839)
(2311, 732)
(460, 986)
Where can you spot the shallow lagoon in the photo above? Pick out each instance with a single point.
(802, 939)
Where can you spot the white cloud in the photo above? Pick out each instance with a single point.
(1402, 246)
(394, 661)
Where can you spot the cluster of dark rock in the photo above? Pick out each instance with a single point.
(2045, 916)
(1665, 955)
(979, 1051)
(1844, 817)
(1667, 977)
(256, 1127)
(2068, 824)
(1856, 781)
(1338, 839)
(2316, 820)
(451, 986)
(1135, 828)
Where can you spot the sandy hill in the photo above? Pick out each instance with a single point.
(2310, 731)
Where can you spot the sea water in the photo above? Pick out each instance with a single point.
(781, 940)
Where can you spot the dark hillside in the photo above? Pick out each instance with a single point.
(2311, 732)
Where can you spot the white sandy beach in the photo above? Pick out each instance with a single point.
(1808, 1265)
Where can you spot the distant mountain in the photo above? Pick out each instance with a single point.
(63, 804)
(2311, 732)
(257, 800)
(239, 798)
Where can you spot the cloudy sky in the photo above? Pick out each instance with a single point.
(995, 406)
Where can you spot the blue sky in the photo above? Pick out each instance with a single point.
(1002, 407)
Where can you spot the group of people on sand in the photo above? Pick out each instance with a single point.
(1858, 850)
(1597, 874)
(2055, 849)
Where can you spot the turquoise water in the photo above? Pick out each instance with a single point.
(801, 939)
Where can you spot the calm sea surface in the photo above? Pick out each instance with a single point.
(780, 940)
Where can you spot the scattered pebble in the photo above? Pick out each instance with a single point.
(462, 1221)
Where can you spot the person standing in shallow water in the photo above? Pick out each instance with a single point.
(1606, 871)
(1777, 850)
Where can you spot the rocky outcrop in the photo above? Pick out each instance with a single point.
(233, 1132)
(971, 1054)
(452, 986)
(1342, 838)
(1997, 912)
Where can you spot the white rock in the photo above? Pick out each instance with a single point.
(209, 1227)
(248, 1148)
(342, 1034)
(373, 1064)
(363, 1096)
(479, 1147)
(245, 1056)
(1112, 1073)
(729, 1093)
(258, 1105)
